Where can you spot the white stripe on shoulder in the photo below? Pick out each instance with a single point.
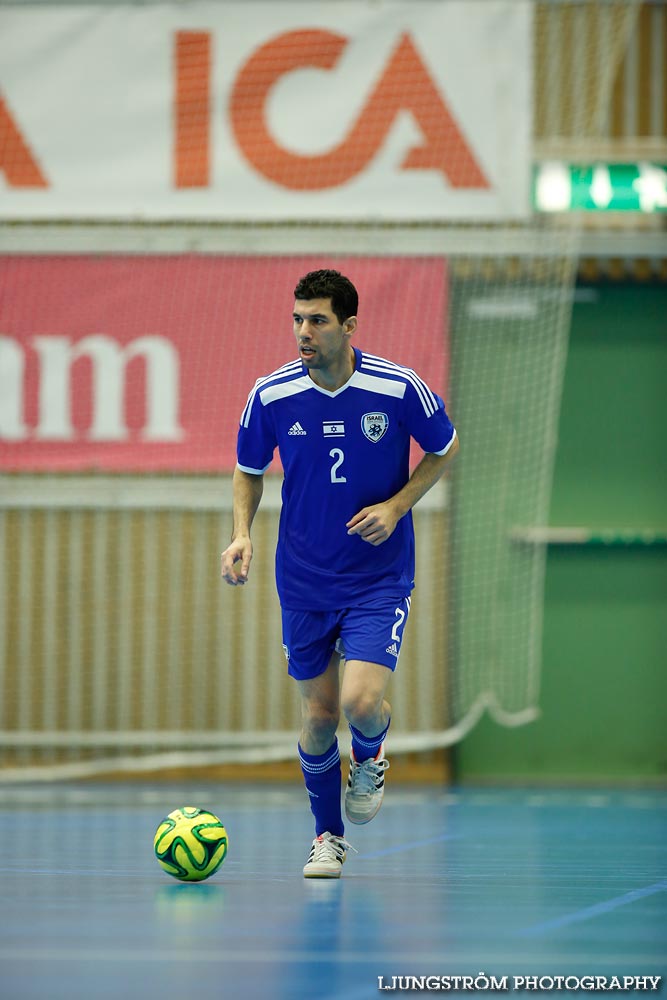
(383, 386)
(283, 389)
(292, 368)
(377, 364)
(374, 363)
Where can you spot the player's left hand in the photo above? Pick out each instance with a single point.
(374, 524)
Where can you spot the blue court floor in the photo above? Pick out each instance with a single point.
(445, 883)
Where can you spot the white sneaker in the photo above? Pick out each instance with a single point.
(326, 857)
(365, 787)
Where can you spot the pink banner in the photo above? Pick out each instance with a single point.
(133, 363)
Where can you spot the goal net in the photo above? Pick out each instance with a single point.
(133, 325)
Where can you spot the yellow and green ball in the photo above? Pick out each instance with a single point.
(190, 844)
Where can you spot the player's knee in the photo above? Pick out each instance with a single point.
(319, 721)
(362, 710)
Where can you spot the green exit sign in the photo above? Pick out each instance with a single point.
(600, 187)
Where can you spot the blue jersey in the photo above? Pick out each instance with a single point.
(341, 451)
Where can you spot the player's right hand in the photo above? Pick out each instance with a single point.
(239, 550)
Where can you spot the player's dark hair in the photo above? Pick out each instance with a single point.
(328, 284)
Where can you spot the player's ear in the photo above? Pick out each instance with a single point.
(350, 324)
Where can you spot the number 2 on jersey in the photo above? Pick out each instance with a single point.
(337, 454)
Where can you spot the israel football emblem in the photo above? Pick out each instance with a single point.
(374, 425)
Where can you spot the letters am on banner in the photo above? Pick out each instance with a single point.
(230, 111)
(132, 364)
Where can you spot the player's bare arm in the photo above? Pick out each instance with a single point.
(247, 493)
(375, 524)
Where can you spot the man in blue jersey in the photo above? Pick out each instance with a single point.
(342, 421)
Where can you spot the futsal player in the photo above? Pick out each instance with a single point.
(342, 421)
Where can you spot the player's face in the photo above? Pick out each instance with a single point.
(323, 341)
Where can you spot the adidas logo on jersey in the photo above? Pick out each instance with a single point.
(393, 649)
(296, 429)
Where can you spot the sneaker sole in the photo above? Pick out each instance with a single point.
(360, 820)
(321, 874)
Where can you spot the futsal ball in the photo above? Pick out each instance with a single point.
(190, 844)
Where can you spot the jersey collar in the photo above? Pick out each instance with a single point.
(336, 392)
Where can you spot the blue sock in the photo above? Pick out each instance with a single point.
(321, 772)
(365, 747)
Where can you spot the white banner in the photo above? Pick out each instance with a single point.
(359, 110)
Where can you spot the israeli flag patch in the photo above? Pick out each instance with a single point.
(374, 426)
(333, 428)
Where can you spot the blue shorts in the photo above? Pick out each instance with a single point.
(372, 632)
